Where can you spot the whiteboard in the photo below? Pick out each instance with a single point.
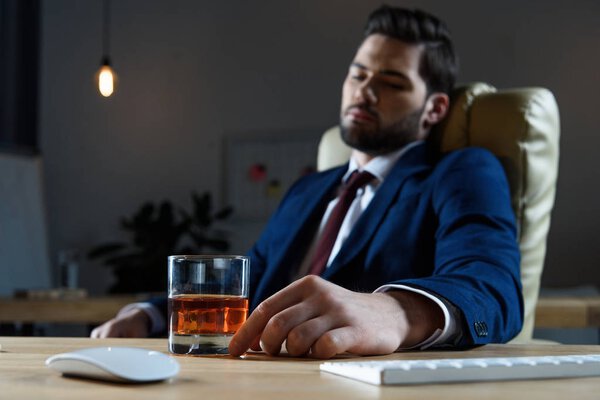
(24, 261)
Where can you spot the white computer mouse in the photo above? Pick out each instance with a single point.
(120, 364)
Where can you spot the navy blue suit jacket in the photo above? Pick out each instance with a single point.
(442, 225)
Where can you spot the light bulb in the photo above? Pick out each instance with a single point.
(106, 82)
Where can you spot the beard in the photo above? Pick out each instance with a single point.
(384, 140)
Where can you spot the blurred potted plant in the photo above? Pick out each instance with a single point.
(158, 231)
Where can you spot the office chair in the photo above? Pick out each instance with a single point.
(521, 127)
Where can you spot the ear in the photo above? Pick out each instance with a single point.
(436, 108)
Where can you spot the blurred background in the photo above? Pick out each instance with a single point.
(215, 98)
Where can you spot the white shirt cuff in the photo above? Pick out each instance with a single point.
(157, 321)
(440, 336)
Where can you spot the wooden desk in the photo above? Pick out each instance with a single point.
(568, 312)
(91, 310)
(24, 376)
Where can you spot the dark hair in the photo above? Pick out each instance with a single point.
(439, 63)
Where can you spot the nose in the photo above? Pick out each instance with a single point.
(366, 92)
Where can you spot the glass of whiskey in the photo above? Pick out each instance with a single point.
(208, 302)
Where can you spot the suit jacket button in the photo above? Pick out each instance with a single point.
(481, 328)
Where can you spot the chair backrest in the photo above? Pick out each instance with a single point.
(521, 127)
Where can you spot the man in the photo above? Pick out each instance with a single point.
(433, 237)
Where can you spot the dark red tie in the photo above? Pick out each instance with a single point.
(330, 232)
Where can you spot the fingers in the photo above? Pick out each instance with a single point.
(250, 332)
(281, 324)
(248, 335)
(258, 320)
(115, 328)
(256, 344)
(335, 341)
(302, 337)
(317, 317)
(134, 323)
(96, 332)
(105, 330)
(350, 339)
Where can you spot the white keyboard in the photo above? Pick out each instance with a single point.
(404, 372)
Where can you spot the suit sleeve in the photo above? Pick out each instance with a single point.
(476, 253)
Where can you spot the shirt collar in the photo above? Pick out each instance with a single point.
(379, 166)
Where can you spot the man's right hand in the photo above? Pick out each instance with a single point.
(134, 323)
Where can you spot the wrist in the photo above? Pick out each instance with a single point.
(418, 317)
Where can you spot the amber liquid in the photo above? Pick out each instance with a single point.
(201, 324)
(201, 314)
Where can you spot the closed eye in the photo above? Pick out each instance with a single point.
(398, 86)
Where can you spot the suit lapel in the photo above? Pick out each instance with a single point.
(309, 205)
(414, 161)
(308, 208)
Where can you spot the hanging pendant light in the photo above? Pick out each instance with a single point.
(106, 78)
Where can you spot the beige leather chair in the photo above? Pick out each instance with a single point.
(521, 127)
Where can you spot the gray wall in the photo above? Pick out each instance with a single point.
(194, 72)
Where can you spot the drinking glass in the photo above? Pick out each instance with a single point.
(208, 302)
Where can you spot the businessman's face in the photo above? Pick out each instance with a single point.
(384, 99)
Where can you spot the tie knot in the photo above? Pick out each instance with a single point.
(357, 180)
